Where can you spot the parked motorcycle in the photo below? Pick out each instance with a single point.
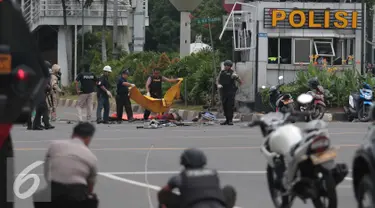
(279, 101)
(316, 107)
(300, 162)
(360, 104)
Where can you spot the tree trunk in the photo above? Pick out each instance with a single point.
(63, 2)
(104, 44)
(115, 10)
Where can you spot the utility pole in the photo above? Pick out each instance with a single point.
(115, 16)
(83, 29)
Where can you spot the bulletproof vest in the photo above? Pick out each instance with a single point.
(156, 86)
(227, 81)
(200, 185)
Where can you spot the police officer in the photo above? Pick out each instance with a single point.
(103, 96)
(154, 87)
(70, 170)
(88, 81)
(199, 187)
(226, 82)
(122, 97)
(42, 109)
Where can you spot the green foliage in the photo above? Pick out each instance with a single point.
(337, 83)
(197, 71)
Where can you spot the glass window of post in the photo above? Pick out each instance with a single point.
(302, 51)
(279, 50)
(273, 50)
(285, 50)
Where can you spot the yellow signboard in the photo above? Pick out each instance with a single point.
(314, 19)
(5, 63)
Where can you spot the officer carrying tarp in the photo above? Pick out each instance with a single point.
(199, 187)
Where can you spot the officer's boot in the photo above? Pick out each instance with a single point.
(224, 123)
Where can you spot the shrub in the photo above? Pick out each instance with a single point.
(337, 83)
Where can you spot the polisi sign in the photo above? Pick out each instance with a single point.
(312, 18)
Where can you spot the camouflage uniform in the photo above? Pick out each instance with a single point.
(54, 92)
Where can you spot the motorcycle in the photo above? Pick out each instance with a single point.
(300, 162)
(279, 101)
(317, 106)
(360, 104)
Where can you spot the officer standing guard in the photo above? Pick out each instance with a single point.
(56, 90)
(226, 82)
(122, 97)
(86, 92)
(154, 87)
(103, 96)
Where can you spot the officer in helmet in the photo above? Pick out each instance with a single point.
(199, 187)
(103, 96)
(226, 82)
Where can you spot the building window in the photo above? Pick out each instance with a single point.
(324, 48)
(285, 50)
(279, 50)
(273, 50)
(302, 51)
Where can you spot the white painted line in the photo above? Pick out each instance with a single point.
(239, 136)
(177, 172)
(348, 178)
(136, 183)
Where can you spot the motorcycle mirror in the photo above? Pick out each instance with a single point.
(305, 98)
(281, 77)
(263, 87)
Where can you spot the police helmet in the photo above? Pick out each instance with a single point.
(125, 71)
(228, 63)
(107, 69)
(193, 158)
(48, 64)
(313, 82)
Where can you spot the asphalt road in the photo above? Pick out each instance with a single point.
(122, 151)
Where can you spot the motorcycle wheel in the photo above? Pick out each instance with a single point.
(365, 193)
(364, 113)
(278, 200)
(327, 191)
(318, 112)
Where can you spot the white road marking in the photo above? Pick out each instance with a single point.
(136, 183)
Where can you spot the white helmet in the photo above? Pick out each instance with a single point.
(107, 69)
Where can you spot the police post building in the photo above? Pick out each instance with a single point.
(290, 34)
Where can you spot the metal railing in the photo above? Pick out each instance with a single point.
(34, 9)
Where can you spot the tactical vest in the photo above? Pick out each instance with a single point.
(200, 185)
(156, 86)
(228, 83)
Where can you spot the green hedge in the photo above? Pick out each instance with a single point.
(197, 71)
(337, 83)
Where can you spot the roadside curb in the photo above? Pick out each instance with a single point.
(188, 115)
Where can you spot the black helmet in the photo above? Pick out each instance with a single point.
(125, 71)
(193, 158)
(228, 63)
(313, 82)
(48, 64)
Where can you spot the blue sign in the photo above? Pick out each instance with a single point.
(262, 35)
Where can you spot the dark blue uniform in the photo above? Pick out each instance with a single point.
(123, 100)
(155, 91)
(103, 100)
(228, 93)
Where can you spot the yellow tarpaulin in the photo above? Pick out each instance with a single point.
(157, 105)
